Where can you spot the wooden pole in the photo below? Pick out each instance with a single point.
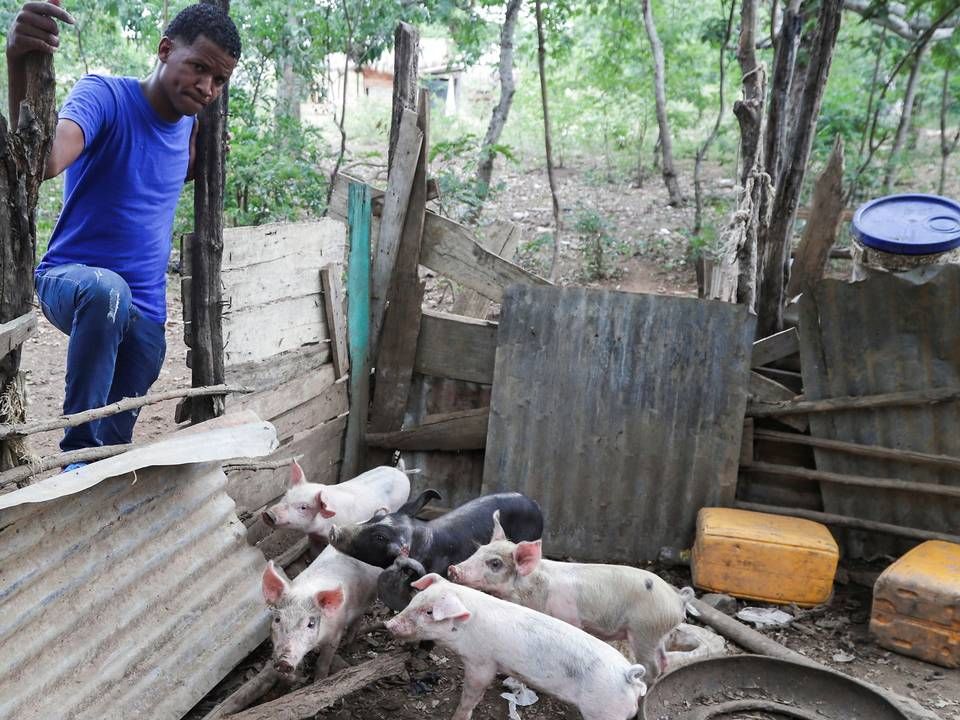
(358, 325)
(207, 248)
(308, 701)
(875, 451)
(855, 480)
(8, 430)
(849, 522)
(865, 402)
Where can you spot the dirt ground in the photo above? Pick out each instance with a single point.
(650, 258)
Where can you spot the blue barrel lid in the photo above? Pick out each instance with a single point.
(911, 224)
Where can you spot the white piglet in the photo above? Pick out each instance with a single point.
(318, 609)
(313, 507)
(611, 602)
(492, 635)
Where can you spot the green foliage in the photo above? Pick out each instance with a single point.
(598, 246)
(454, 163)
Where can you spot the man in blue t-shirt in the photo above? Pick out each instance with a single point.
(127, 146)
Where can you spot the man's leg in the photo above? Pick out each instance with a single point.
(139, 359)
(92, 306)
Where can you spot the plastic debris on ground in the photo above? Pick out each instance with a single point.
(765, 617)
(690, 643)
(519, 696)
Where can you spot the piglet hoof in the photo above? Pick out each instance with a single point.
(338, 664)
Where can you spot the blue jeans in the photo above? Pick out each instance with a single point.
(114, 352)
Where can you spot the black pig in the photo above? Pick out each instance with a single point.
(434, 545)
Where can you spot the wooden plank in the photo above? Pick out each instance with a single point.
(336, 321)
(268, 404)
(820, 232)
(398, 348)
(15, 332)
(498, 237)
(406, 80)
(185, 295)
(281, 368)
(462, 430)
(775, 347)
(319, 449)
(764, 389)
(450, 249)
(746, 443)
(358, 325)
(308, 701)
(907, 398)
(261, 332)
(456, 347)
(641, 393)
(403, 169)
(329, 404)
(259, 284)
(315, 243)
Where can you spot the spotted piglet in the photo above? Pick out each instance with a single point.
(492, 635)
(611, 602)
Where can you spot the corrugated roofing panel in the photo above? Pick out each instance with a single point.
(620, 413)
(130, 598)
(885, 335)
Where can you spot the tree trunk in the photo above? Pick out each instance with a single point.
(946, 146)
(659, 84)
(541, 62)
(207, 249)
(903, 127)
(341, 124)
(777, 114)
(702, 152)
(775, 251)
(23, 158)
(500, 113)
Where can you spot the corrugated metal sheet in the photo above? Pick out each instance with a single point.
(885, 335)
(620, 413)
(132, 597)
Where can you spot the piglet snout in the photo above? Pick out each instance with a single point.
(283, 666)
(269, 518)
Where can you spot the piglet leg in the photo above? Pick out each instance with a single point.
(325, 657)
(476, 679)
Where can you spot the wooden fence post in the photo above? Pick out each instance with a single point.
(358, 324)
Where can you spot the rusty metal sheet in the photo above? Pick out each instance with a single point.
(620, 413)
(130, 597)
(885, 335)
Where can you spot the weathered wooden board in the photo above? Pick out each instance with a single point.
(885, 335)
(620, 413)
(279, 369)
(452, 250)
(767, 390)
(460, 430)
(456, 347)
(260, 332)
(358, 325)
(315, 244)
(262, 283)
(330, 403)
(498, 237)
(13, 333)
(336, 317)
(775, 347)
(268, 404)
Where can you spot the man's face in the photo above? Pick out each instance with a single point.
(193, 76)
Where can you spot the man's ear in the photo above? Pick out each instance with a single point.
(164, 49)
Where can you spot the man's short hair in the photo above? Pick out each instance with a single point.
(207, 20)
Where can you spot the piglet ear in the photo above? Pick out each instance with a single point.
(274, 584)
(296, 474)
(329, 601)
(449, 605)
(426, 581)
(498, 533)
(527, 555)
(321, 506)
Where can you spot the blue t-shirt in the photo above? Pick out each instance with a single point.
(121, 193)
